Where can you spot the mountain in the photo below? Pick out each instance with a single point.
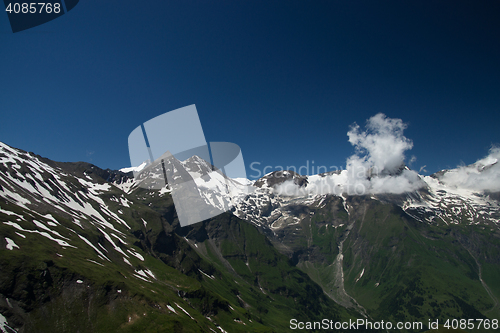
(414, 256)
(87, 250)
(91, 250)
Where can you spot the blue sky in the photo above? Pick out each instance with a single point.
(282, 79)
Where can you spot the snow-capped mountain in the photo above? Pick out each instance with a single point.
(199, 190)
(434, 202)
(40, 192)
(75, 229)
(89, 250)
(271, 202)
(318, 230)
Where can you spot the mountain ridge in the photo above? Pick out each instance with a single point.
(78, 243)
(378, 256)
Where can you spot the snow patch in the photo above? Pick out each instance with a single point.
(137, 255)
(180, 307)
(94, 262)
(360, 275)
(95, 248)
(208, 276)
(44, 234)
(134, 169)
(4, 326)
(10, 244)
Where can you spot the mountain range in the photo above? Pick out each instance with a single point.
(84, 249)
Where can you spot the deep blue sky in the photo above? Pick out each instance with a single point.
(282, 79)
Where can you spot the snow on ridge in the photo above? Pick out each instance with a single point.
(22, 188)
(243, 181)
(82, 206)
(94, 187)
(133, 169)
(127, 186)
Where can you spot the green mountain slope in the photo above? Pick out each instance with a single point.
(140, 271)
(393, 267)
(85, 250)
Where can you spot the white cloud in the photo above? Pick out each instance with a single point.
(289, 189)
(480, 176)
(378, 164)
(382, 145)
(408, 181)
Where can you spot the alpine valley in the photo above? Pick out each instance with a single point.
(89, 250)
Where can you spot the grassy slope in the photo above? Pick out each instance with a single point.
(262, 296)
(412, 271)
(423, 271)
